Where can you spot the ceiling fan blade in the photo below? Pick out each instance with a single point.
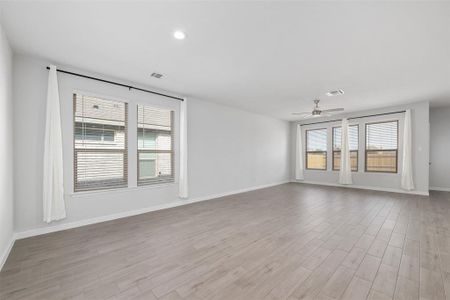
(309, 116)
(333, 110)
(301, 113)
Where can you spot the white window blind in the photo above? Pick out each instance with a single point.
(316, 149)
(382, 147)
(155, 145)
(100, 143)
(352, 137)
(353, 143)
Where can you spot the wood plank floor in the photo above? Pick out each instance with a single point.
(291, 241)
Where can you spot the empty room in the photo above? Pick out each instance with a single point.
(252, 150)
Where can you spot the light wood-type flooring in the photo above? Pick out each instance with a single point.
(292, 241)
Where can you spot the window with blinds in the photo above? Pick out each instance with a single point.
(316, 149)
(100, 143)
(155, 145)
(353, 132)
(382, 147)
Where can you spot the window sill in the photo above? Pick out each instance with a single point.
(364, 172)
(122, 190)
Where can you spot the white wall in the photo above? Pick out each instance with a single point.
(6, 147)
(439, 147)
(382, 181)
(229, 149)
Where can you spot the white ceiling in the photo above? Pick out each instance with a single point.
(268, 57)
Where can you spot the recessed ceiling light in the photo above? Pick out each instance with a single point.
(334, 93)
(179, 35)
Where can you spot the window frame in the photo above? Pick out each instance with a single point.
(366, 151)
(125, 183)
(354, 151)
(167, 179)
(306, 150)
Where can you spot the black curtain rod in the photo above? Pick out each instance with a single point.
(117, 83)
(360, 117)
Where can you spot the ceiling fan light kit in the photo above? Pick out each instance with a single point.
(317, 112)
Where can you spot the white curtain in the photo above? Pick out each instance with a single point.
(407, 170)
(183, 179)
(299, 155)
(345, 173)
(53, 190)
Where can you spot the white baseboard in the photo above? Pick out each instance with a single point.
(441, 189)
(381, 189)
(5, 253)
(70, 225)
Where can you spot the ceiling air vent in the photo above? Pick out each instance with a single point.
(335, 93)
(157, 75)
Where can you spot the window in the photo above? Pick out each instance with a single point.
(100, 143)
(316, 149)
(155, 145)
(381, 147)
(353, 132)
(102, 134)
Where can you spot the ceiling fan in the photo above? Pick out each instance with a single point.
(317, 112)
